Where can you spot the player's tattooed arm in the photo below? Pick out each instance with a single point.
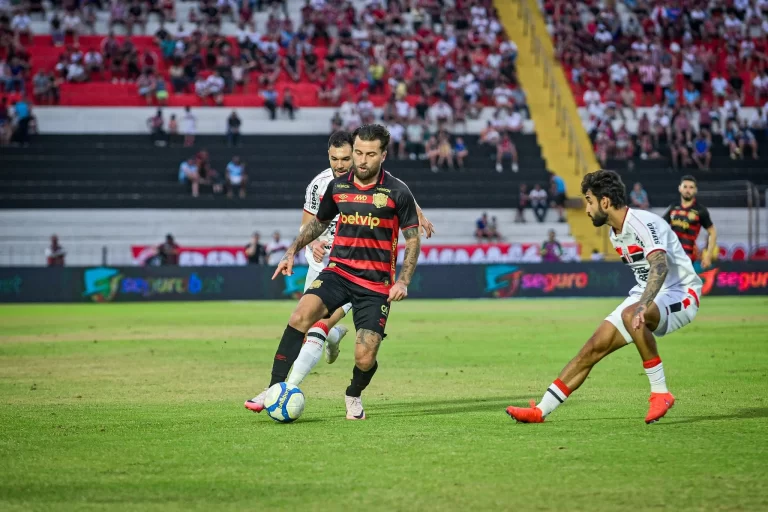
(656, 276)
(411, 257)
(311, 231)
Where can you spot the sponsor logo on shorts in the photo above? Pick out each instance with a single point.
(315, 284)
(385, 310)
(360, 220)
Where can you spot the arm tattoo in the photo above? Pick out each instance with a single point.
(411, 257)
(312, 230)
(656, 276)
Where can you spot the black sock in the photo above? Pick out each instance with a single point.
(360, 380)
(286, 355)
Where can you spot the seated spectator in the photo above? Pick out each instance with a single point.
(691, 96)
(702, 154)
(215, 88)
(188, 173)
(136, 17)
(415, 133)
(289, 103)
(76, 73)
(236, 176)
(493, 229)
(146, 85)
(460, 152)
(57, 32)
(94, 63)
(173, 130)
(551, 250)
(337, 123)
(506, 149)
(270, 101)
(55, 253)
(71, 23)
(21, 24)
(41, 87)
(747, 138)
(678, 148)
(639, 197)
(539, 202)
(397, 140)
(482, 231)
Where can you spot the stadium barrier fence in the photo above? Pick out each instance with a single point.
(144, 284)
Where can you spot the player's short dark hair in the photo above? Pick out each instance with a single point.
(604, 183)
(688, 177)
(369, 132)
(339, 139)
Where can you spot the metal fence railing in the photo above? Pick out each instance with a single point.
(544, 57)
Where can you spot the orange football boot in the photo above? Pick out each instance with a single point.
(530, 414)
(660, 404)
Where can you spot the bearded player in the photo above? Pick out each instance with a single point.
(687, 218)
(665, 299)
(325, 331)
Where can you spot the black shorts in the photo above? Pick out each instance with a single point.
(649, 88)
(560, 199)
(371, 309)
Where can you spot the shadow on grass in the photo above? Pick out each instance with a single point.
(752, 412)
(445, 407)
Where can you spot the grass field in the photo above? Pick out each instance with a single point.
(139, 407)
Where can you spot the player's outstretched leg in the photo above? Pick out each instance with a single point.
(605, 340)
(322, 332)
(661, 399)
(308, 311)
(366, 348)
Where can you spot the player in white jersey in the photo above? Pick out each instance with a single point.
(326, 331)
(665, 299)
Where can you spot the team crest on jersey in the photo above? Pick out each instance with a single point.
(380, 200)
(315, 284)
(692, 215)
(332, 265)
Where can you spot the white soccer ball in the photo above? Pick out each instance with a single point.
(284, 402)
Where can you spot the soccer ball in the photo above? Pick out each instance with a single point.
(284, 402)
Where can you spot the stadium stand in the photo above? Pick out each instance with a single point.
(79, 171)
(319, 51)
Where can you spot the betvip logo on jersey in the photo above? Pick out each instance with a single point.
(360, 220)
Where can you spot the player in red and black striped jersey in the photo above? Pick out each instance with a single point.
(687, 218)
(373, 206)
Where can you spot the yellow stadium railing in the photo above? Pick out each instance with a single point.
(544, 57)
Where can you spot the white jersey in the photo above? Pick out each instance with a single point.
(312, 198)
(643, 233)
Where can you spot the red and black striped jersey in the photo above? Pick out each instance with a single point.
(365, 247)
(687, 222)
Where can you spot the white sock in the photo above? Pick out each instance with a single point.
(333, 335)
(655, 372)
(310, 354)
(556, 394)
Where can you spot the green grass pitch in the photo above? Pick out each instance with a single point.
(139, 407)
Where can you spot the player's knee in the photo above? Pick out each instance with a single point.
(301, 320)
(626, 316)
(365, 361)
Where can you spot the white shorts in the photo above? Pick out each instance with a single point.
(677, 309)
(311, 276)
